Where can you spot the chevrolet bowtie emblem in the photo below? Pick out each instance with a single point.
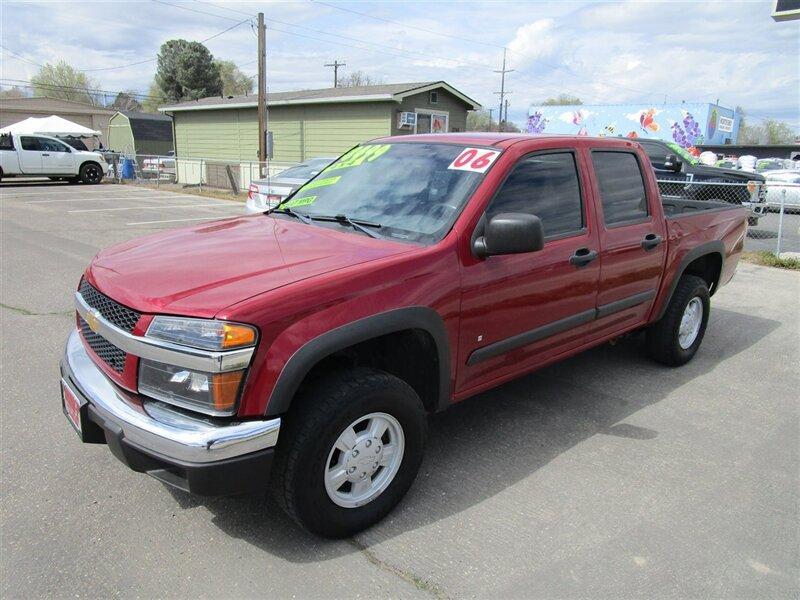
(93, 319)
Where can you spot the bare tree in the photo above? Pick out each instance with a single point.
(64, 82)
(358, 79)
(562, 100)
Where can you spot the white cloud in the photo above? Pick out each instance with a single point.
(532, 41)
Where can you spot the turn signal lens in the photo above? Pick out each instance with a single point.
(225, 390)
(235, 335)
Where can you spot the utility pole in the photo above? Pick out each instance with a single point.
(502, 91)
(491, 110)
(336, 64)
(506, 118)
(262, 95)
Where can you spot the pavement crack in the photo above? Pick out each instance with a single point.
(30, 313)
(408, 576)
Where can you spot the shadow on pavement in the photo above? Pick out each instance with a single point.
(527, 422)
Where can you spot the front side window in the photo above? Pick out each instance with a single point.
(413, 190)
(621, 185)
(545, 185)
(29, 143)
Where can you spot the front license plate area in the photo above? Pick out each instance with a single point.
(73, 408)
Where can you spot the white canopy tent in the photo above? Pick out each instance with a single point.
(52, 125)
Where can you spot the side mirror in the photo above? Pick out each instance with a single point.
(510, 233)
(673, 163)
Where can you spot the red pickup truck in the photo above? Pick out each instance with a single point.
(301, 350)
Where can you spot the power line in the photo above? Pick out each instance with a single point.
(455, 37)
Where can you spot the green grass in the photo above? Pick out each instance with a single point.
(768, 259)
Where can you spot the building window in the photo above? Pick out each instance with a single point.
(434, 97)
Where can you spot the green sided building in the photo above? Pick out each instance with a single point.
(308, 123)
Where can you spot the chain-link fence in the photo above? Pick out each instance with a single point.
(151, 169)
(774, 208)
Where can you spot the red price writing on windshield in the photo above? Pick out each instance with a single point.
(474, 159)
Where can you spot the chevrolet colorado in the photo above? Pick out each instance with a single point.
(301, 350)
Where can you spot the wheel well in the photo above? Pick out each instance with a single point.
(88, 162)
(410, 355)
(708, 267)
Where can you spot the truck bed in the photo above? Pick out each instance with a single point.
(675, 206)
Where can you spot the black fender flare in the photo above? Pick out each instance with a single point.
(712, 247)
(313, 351)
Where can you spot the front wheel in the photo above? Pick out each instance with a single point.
(349, 452)
(91, 173)
(674, 339)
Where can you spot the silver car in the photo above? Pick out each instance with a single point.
(783, 185)
(267, 193)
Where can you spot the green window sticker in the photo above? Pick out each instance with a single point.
(318, 183)
(300, 201)
(360, 155)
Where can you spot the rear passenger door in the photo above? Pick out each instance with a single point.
(30, 155)
(57, 159)
(632, 244)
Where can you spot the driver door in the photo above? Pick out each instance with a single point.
(519, 311)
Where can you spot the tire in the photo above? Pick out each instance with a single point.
(752, 221)
(91, 174)
(663, 339)
(306, 451)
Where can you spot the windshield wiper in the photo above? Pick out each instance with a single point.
(358, 224)
(285, 210)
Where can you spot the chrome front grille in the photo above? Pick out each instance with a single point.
(108, 352)
(121, 316)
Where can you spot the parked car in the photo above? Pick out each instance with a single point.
(783, 185)
(313, 341)
(266, 193)
(43, 156)
(701, 182)
(159, 167)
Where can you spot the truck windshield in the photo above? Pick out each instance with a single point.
(414, 191)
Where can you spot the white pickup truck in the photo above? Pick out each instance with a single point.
(44, 156)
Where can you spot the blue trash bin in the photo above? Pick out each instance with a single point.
(127, 168)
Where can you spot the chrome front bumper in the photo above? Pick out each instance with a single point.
(157, 428)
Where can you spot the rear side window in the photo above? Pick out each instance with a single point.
(545, 185)
(47, 145)
(29, 143)
(621, 186)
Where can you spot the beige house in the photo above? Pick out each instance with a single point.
(13, 110)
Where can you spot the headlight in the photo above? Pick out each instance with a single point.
(206, 334)
(210, 393)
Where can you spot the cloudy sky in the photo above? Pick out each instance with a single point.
(611, 52)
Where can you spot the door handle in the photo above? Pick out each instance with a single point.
(43, 154)
(651, 240)
(582, 257)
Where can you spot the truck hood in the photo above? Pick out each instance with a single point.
(200, 270)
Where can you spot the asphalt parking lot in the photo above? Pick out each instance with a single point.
(606, 476)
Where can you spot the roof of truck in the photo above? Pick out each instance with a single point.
(500, 139)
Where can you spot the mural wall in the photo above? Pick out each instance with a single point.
(684, 124)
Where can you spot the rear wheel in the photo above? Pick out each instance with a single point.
(349, 452)
(675, 338)
(91, 173)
